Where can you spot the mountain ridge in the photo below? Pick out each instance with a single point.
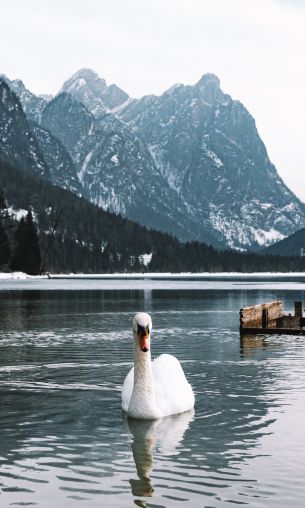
(196, 148)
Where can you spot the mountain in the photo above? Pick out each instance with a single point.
(62, 171)
(87, 87)
(18, 144)
(76, 235)
(189, 162)
(25, 144)
(72, 124)
(209, 151)
(116, 170)
(32, 104)
(293, 245)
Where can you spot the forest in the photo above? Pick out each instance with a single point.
(44, 228)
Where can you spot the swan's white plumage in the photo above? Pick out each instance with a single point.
(172, 394)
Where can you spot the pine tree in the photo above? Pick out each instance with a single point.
(33, 256)
(17, 261)
(5, 252)
(3, 205)
(27, 257)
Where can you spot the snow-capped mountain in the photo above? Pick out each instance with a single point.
(189, 162)
(115, 168)
(87, 87)
(209, 151)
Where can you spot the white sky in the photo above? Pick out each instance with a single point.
(256, 47)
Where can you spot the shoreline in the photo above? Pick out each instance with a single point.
(149, 275)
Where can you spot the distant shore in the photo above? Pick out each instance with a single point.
(148, 275)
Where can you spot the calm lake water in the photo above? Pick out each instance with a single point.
(65, 349)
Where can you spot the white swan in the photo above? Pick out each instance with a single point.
(154, 389)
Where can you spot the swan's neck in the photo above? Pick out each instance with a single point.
(142, 403)
(142, 368)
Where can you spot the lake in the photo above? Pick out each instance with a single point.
(65, 349)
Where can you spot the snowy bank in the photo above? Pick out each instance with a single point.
(169, 275)
(19, 276)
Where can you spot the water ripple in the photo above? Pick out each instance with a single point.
(65, 441)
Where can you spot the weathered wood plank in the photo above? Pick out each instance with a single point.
(252, 317)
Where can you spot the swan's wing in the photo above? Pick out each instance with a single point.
(127, 389)
(173, 393)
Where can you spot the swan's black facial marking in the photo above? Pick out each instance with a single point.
(143, 331)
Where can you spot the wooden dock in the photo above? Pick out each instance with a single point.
(269, 318)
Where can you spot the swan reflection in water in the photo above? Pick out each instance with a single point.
(166, 434)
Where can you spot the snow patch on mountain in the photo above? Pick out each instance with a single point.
(115, 160)
(84, 166)
(212, 155)
(267, 237)
(17, 214)
(243, 232)
(109, 200)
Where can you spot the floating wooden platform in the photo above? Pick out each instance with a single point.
(269, 318)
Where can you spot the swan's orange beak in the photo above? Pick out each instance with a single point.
(144, 343)
(143, 334)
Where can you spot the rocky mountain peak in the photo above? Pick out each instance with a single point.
(18, 145)
(16, 84)
(209, 87)
(87, 87)
(84, 78)
(208, 80)
(31, 104)
(7, 96)
(115, 96)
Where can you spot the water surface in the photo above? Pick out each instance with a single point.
(64, 354)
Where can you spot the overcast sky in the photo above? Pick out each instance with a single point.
(256, 47)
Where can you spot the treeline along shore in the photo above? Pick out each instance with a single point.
(44, 228)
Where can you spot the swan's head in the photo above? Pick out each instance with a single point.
(142, 326)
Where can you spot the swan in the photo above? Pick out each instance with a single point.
(155, 389)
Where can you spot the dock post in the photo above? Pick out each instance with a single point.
(265, 318)
(298, 311)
